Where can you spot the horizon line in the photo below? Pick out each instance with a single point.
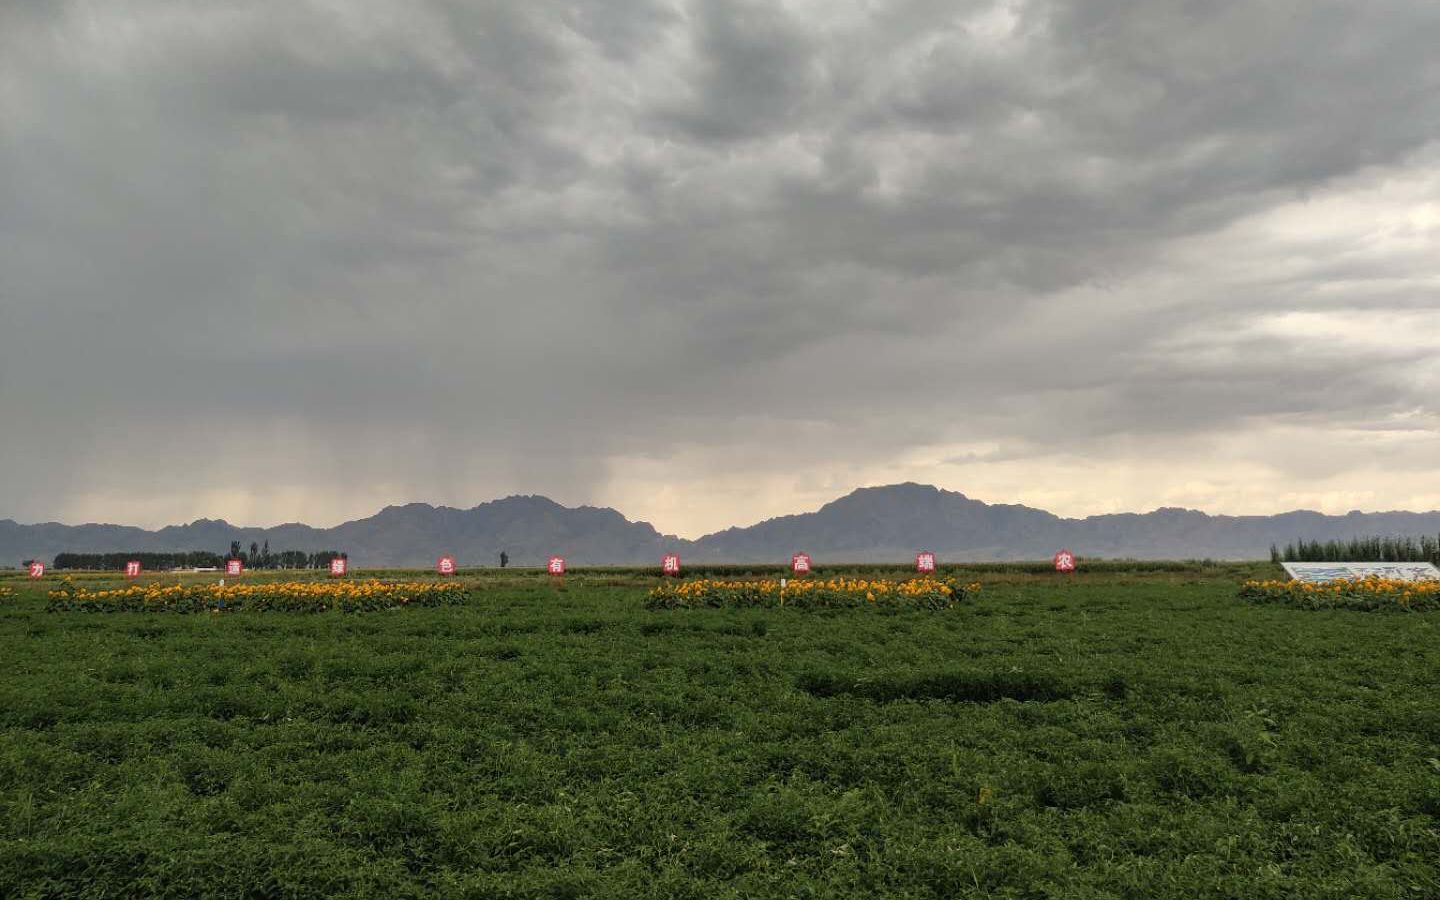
(665, 534)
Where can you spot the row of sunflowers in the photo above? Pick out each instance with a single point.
(1370, 593)
(916, 593)
(288, 596)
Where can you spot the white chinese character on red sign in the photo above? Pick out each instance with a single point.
(670, 565)
(556, 565)
(1064, 561)
(925, 561)
(800, 563)
(234, 567)
(132, 569)
(445, 565)
(338, 566)
(37, 570)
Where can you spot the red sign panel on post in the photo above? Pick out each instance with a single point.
(800, 564)
(132, 569)
(670, 565)
(339, 566)
(234, 567)
(445, 565)
(37, 570)
(556, 565)
(1064, 561)
(924, 561)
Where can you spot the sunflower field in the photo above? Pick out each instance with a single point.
(804, 593)
(285, 596)
(1369, 593)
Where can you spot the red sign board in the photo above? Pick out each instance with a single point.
(37, 570)
(1064, 561)
(556, 565)
(339, 566)
(670, 565)
(132, 569)
(800, 564)
(924, 561)
(234, 567)
(445, 565)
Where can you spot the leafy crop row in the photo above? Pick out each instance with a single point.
(1136, 737)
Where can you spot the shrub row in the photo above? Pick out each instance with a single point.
(901, 567)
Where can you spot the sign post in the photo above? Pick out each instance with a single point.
(670, 565)
(925, 562)
(445, 565)
(132, 569)
(234, 568)
(800, 564)
(556, 565)
(37, 569)
(339, 566)
(1064, 561)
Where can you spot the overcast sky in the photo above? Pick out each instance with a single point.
(710, 262)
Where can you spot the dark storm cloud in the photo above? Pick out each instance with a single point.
(751, 72)
(300, 260)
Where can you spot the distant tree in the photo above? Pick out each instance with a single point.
(321, 560)
(234, 549)
(504, 559)
(291, 559)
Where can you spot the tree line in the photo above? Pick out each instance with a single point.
(1362, 549)
(258, 557)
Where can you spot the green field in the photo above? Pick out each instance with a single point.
(1113, 734)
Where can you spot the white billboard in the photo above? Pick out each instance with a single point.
(1320, 572)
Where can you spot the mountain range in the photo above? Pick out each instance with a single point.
(868, 525)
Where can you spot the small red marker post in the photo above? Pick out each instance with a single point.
(670, 565)
(132, 569)
(339, 566)
(1064, 561)
(925, 562)
(445, 565)
(556, 565)
(234, 568)
(37, 570)
(800, 564)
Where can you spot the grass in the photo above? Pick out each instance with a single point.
(1140, 734)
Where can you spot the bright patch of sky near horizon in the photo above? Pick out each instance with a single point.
(710, 261)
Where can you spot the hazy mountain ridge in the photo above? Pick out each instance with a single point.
(867, 525)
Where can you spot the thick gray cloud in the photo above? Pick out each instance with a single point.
(713, 260)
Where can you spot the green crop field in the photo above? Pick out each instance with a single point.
(1118, 733)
